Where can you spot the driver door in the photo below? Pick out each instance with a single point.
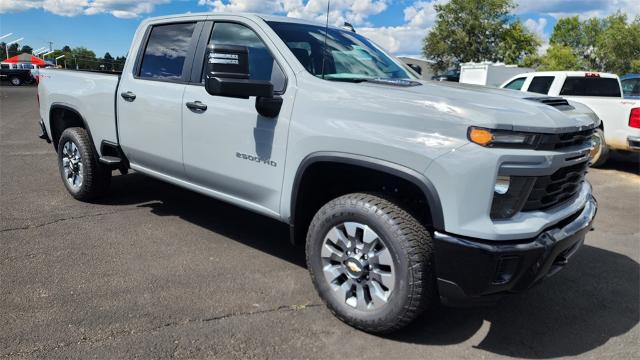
(228, 148)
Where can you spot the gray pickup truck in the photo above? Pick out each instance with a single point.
(404, 192)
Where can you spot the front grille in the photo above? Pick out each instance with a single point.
(556, 188)
(565, 140)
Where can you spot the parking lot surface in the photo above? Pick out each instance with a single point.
(154, 271)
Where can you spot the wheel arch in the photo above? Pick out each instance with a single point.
(63, 116)
(370, 166)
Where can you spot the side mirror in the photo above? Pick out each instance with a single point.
(416, 68)
(227, 73)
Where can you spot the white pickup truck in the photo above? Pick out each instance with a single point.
(602, 92)
(404, 192)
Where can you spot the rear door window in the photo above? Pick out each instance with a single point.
(590, 86)
(541, 84)
(515, 84)
(166, 51)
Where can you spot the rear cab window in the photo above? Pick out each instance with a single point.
(166, 51)
(516, 84)
(591, 86)
(541, 84)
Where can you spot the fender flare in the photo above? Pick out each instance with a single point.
(414, 177)
(66, 107)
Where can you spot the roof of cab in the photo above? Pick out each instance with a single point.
(241, 14)
(570, 73)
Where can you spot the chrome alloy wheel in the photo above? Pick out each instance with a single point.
(358, 266)
(72, 165)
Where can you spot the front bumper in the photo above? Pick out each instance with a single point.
(479, 271)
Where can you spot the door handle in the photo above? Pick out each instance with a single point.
(129, 96)
(196, 106)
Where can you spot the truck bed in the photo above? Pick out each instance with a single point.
(91, 94)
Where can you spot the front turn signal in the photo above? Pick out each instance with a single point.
(480, 136)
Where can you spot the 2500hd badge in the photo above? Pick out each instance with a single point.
(256, 158)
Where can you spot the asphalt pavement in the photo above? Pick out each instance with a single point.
(154, 271)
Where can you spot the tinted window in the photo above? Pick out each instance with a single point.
(591, 86)
(166, 51)
(4, 66)
(541, 84)
(516, 84)
(631, 87)
(262, 66)
(350, 56)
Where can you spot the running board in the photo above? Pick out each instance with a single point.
(111, 160)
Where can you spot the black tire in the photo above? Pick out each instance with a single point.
(15, 81)
(95, 176)
(411, 249)
(600, 153)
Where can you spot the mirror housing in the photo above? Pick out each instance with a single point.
(227, 73)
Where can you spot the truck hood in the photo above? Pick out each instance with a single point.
(482, 106)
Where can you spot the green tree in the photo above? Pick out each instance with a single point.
(611, 44)
(517, 43)
(26, 49)
(13, 50)
(618, 47)
(476, 30)
(107, 61)
(560, 57)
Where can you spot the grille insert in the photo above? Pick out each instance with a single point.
(556, 188)
(565, 140)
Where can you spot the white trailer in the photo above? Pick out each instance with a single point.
(489, 74)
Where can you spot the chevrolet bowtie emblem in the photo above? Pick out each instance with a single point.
(353, 267)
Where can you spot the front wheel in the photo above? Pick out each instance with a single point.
(15, 81)
(82, 174)
(371, 262)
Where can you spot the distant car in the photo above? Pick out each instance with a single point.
(631, 86)
(17, 76)
(602, 92)
(451, 75)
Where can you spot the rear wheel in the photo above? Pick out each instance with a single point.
(371, 262)
(600, 152)
(84, 177)
(15, 81)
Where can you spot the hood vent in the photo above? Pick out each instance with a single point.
(557, 102)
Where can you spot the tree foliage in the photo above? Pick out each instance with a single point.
(477, 30)
(611, 44)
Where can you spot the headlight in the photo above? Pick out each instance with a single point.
(502, 138)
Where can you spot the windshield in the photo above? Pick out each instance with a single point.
(350, 56)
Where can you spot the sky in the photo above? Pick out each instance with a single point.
(397, 25)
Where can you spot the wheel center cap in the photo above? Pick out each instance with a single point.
(354, 267)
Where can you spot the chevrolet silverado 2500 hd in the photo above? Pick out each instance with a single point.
(404, 192)
(601, 92)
